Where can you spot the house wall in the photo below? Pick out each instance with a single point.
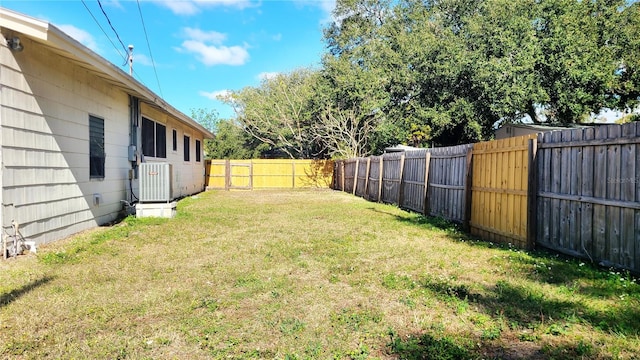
(507, 131)
(46, 103)
(188, 176)
(46, 188)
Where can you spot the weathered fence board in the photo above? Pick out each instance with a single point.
(500, 190)
(338, 175)
(350, 174)
(447, 192)
(362, 177)
(373, 191)
(589, 193)
(576, 191)
(391, 177)
(412, 188)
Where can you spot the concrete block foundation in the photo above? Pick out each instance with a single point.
(165, 210)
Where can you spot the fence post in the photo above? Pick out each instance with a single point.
(227, 174)
(342, 175)
(532, 193)
(401, 189)
(355, 176)
(293, 176)
(251, 175)
(381, 177)
(427, 161)
(366, 180)
(466, 221)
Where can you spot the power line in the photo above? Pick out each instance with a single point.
(149, 47)
(104, 32)
(112, 28)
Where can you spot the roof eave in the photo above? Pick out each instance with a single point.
(49, 34)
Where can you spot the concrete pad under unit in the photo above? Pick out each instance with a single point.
(165, 210)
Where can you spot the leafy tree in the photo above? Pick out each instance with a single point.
(232, 142)
(277, 112)
(457, 67)
(208, 118)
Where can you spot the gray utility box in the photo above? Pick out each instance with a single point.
(155, 182)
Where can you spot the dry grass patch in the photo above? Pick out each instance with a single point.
(306, 275)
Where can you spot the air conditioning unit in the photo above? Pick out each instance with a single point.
(155, 182)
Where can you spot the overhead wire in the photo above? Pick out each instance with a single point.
(104, 32)
(114, 30)
(153, 63)
(126, 56)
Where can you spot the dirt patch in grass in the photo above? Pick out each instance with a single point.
(306, 275)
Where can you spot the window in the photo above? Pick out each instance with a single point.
(198, 150)
(96, 148)
(186, 148)
(154, 139)
(175, 140)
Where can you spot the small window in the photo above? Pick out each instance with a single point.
(96, 148)
(186, 148)
(175, 140)
(198, 150)
(161, 141)
(154, 139)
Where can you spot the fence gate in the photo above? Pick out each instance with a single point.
(240, 176)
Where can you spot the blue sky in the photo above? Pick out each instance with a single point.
(200, 48)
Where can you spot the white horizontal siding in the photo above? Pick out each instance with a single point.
(46, 106)
(188, 177)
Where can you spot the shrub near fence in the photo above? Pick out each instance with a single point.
(574, 191)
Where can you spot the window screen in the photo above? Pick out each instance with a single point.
(161, 141)
(148, 138)
(175, 140)
(154, 139)
(96, 147)
(186, 148)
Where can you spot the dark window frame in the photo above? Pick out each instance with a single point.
(154, 138)
(187, 150)
(174, 135)
(97, 154)
(198, 151)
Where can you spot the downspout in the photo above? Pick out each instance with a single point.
(134, 121)
(2, 228)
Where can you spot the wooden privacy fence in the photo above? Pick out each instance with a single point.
(500, 190)
(588, 199)
(400, 178)
(575, 191)
(268, 174)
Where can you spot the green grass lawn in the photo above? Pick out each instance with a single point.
(307, 275)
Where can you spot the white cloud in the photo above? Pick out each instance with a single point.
(211, 55)
(115, 4)
(82, 36)
(141, 59)
(209, 48)
(215, 95)
(267, 75)
(327, 6)
(191, 7)
(180, 7)
(205, 36)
